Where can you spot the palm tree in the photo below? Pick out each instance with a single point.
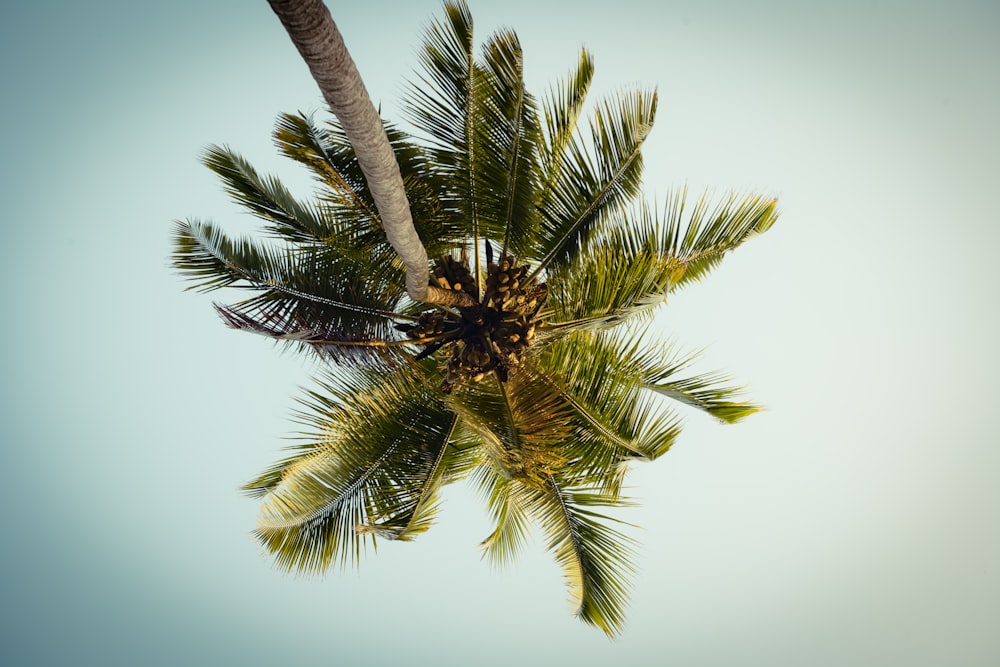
(546, 387)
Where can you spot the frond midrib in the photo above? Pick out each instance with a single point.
(512, 165)
(330, 505)
(432, 477)
(594, 203)
(590, 418)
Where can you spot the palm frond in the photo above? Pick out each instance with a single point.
(369, 469)
(711, 392)
(596, 559)
(438, 102)
(711, 231)
(445, 102)
(455, 462)
(506, 147)
(209, 258)
(504, 497)
(522, 424)
(307, 295)
(446, 467)
(343, 346)
(630, 266)
(271, 477)
(621, 272)
(266, 197)
(588, 187)
(601, 375)
(563, 105)
(321, 410)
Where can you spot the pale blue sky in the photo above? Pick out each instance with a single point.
(856, 522)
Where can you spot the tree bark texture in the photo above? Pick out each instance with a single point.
(315, 35)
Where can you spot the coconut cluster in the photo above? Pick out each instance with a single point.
(491, 336)
(454, 274)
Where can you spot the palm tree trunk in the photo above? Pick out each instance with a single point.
(321, 45)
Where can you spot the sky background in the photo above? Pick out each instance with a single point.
(856, 522)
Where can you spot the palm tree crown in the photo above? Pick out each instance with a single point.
(542, 391)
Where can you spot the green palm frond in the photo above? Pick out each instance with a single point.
(369, 469)
(522, 424)
(589, 187)
(438, 103)
(618, 274)
(271, 477)
(698, 245)
(621, 273)
(603, 376)
(443, 104)
(508, 132)
(631, 265)
(320, 408)
(266, 197)
(596, 559)
(307, 295)
(210, 259)
(446, 102)
(281, 324)
(563, 105)
(711, 392)
(455, 462)
(505, 498)
(452, 462)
